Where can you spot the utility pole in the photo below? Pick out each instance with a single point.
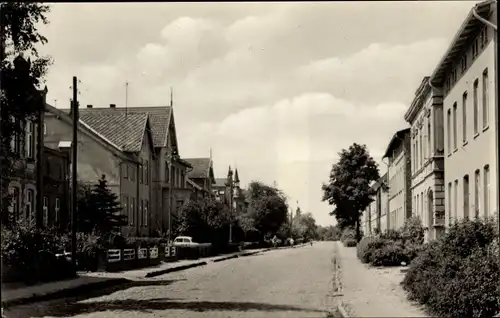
(73, 172)
(126, 98)
(231, 213)
(170, 195)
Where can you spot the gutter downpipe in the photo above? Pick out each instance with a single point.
(495, 58)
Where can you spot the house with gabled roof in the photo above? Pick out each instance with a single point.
(202, 173)
(133, 146)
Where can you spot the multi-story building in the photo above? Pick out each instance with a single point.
(373, 218)
(399, 179)
(467, 76)
(425, 116)
(136, 148)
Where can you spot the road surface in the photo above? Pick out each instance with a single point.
(294, 282)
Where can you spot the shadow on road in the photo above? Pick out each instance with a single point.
(148, 306)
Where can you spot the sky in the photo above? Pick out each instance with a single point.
(274, 89)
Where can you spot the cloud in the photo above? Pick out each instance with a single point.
(278, 89)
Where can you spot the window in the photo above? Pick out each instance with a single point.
(455, 201)
(475, 48)
(182, 179)
(483, 37)
(455, 126)
(14, 203)
(418, 207)
(29, 140)
(420, 160)
(30, 198)
(463, 63)
(429, 143)
(466, 196)
(45, 211)
(167, 172)
(453, 76)
(486, 177)
(464, 117)
(132, 173)
(146, 209)
(146, 172)
(450, 221)
(57, 209)
(485, 98)
(141, 174)
(475, 105)
(448, 127)
(131, 212)
(416, 156)
(125, 171)
(141, 215)
(476, 194)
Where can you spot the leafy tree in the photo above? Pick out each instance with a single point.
(349, 185)
(329, 233)
(20, 78)
(99, 209)
(267, 208)
(205, 220)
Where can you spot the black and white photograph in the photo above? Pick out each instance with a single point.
(309, 159)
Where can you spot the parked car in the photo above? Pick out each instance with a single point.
(184, 241)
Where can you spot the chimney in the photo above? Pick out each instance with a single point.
(89, 106)
(112, 105)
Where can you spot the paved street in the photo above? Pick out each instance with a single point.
(283, 283)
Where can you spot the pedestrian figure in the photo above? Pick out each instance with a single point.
(291, 242)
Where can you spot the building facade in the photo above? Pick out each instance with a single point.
(467, 75)
(425, 116)
(398, 154)
(202, 174)
(373, 219)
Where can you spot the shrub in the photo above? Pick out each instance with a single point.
(458, 276)
(25, 249)
(412, 250)
(413, 231)
(393, 235)
(350, 242)
(367, 246)
(348, 234)
(389, 254)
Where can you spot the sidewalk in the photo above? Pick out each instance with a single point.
(12, 296)
(371, 292)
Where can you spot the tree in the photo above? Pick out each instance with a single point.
(349, 188)
(267, 208)
(304, 226)
(99, 209)
(205, 220)
(329, 233)
(20, 78)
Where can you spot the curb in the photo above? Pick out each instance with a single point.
(174, 269)
(63, 293)
(224, 258)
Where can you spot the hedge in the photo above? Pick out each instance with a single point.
(393, 247)
(458, 275)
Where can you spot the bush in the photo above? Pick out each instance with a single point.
(390, 253)
(145, 241)
(348, 234)
(458, 276)
(413, 231)
(28, 253)
(350, 242)
(367, 246)
(393, 235)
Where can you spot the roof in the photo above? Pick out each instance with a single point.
(201, 167)
(125, 131)
(220, 182)
(193, 184)
(159, 118)
(417, 102)
(468, 29)
(380, 181)
(396, 141)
